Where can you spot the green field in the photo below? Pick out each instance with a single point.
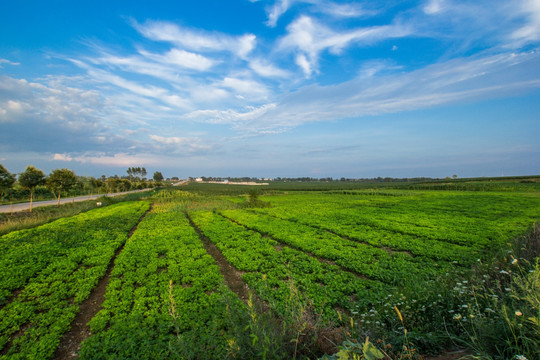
(315, 262)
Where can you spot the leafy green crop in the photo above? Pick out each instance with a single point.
(164, 289)
(56, 266)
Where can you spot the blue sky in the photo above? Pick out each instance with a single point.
(272, 88)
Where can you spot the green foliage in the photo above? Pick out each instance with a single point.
(55, 267)
(31, 178)
(61, 180)
(502, 317)
(270, 268)
(164, 298)
(158, 176)
(385, 264)
(6, 181)
(356, 351)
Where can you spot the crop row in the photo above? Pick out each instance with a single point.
(76, 253)
(351, 229)
(164, 290)
(274, 271)
(373, 262)
(26, 252)
(476, 220)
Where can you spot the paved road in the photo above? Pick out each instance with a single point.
(26, 206)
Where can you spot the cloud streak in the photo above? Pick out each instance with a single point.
(309, 38)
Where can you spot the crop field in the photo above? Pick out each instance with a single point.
(183, 282)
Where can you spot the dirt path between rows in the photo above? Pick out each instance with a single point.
(283, 244)
(70, 344)
(232, 276)
(385, 248)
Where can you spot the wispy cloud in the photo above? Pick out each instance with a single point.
(325, 7)
(309, 38)
(457, 80)
(530, 31)
(51, 115)
(7, 62)
(177, 145)
(182, 58)
(197, 40)
(266, 69)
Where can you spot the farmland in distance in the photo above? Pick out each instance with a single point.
(211, 274)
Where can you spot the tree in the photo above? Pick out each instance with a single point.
(158, 176)
(130, 173)
(143, 173)
(6, 181)
(30, 178)
(61, 180)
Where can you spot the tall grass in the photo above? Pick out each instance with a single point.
(493, 311)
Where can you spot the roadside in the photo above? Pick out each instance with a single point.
(25, 206)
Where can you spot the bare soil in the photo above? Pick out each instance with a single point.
(232, 276)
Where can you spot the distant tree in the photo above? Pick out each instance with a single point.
(31, 178)
(124, 185)
(454, 176)
(158, 176)
(6, 181)
(61, 180)
(130, 173)
(143, 173)
(96, 183)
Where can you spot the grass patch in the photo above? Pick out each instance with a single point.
(42, 215)
(494, 311)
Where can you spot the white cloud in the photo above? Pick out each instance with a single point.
(434, 6)
(266, 69)
(170, 140)
(62, 157)
(11, 111)
(350, 10)
(326, 7)
(245, 87)
(6, 61)
(275, 11)
(230, 116)
(310, 38)
(197, 40)
(184, 59)
(157, 93)
(457, 80)
(530, 9)
(177, 145)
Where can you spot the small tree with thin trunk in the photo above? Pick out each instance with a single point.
(61, 180)
(31, 178)
(158, 176)
(6, 181)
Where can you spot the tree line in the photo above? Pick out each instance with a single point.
(62, 182)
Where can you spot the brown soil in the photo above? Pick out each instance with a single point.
(15, 335)
(70, 344)
(14, 295)
(232, 276)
